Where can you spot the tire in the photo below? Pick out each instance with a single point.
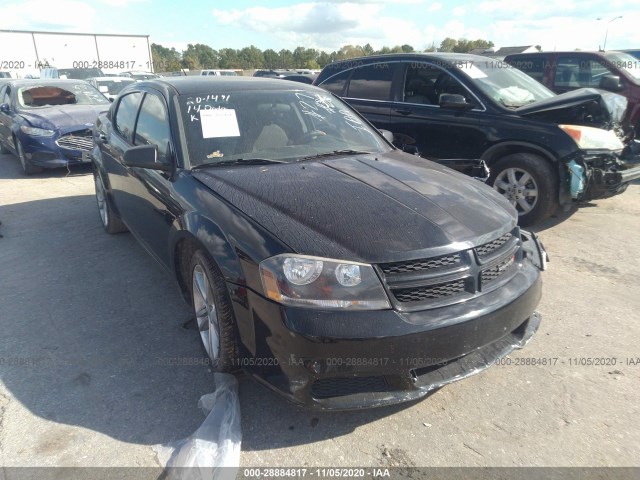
(27, 168)
(212, 306)
(110, 221)
(529, 182)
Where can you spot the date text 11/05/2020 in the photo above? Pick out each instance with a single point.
(602, 361)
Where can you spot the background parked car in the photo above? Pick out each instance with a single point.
(218, 73)
(258, 192)
(307, 78)
(269, 73)
(562, 72)
(139, 75)
(110, 86)
(48, 123)
(542, 148)
(71, 73)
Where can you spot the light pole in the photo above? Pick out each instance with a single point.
(606, 33)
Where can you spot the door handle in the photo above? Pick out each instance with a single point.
(404, 111)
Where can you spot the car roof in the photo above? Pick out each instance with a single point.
(566, 52)
(439, 56)
(198, 84)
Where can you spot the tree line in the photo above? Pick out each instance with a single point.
(199, 56)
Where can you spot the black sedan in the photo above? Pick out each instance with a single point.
(48, 123)
(334, 268)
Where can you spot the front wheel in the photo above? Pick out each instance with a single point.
(214, 314)
(110, 221)
(529, 182)
(27, 167)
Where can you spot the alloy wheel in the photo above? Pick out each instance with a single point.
(102, 201)
(206, 314)
(519, 187)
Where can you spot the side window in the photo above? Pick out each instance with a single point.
(126, 114)
(534, 67)
(372, 82)
(337, 83)
(153, 126)
(420, 82)
(424, 83)
(567, 71)
(584, 72)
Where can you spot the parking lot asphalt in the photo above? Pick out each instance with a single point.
(88, 321)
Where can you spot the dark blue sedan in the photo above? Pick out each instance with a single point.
(48, 123)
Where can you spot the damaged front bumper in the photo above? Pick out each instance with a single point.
(592, 176)
(344, 360)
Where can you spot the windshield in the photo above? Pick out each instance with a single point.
(283, 126)
(503, 83)
(36, 96)
(626, 62)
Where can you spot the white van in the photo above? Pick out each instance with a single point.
(226, 73)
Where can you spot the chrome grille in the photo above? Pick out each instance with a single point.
(490, 247)
(430, 292)
(421, 264)
(76, 141)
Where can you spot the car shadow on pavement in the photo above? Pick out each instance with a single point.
(93, 336)
(13, 170)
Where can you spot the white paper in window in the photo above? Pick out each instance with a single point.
(219, 122)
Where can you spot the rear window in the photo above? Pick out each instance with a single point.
(372, 82)
(337, 83)
(534, 67)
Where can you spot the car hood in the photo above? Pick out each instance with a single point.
(365, 208)
(583, 106)
(63, 116)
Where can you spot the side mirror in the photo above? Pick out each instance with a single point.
(454, 101)
(611, 83)
(144, 156)
(5, 108)
(387, 134)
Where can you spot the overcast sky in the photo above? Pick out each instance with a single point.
(277, 24)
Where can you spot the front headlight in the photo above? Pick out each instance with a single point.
(588, 138)
(36, 132)
(304, 281)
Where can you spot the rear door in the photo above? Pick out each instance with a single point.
(367, 88)
(115, 141)
(143, 195)
(151, 203)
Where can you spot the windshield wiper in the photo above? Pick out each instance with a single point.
(239, 161)
(336, 153)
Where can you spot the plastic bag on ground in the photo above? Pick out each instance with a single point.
(212, 452)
